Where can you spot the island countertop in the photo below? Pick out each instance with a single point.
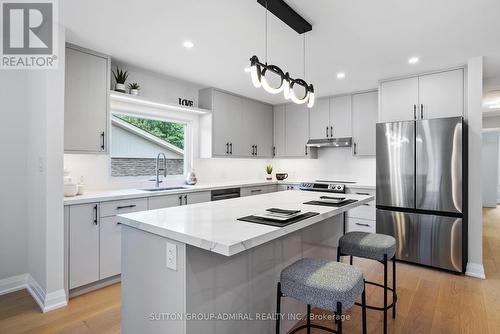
(213, 226)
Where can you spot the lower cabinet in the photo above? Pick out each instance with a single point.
(283, 187)
(362, 218)
(83, 244)
(257, 190)
(110, 237)
(168, 201)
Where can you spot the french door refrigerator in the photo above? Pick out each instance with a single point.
(421, 190)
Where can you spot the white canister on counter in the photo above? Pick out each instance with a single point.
(191, 178)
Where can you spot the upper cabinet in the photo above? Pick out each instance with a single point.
(291, 131)
(364, 120)
(86, 104)
(331, 117)
(422, 97)
(236, 127)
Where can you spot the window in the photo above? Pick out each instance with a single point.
(136, 141)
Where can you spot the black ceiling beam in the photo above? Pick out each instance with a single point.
(286, 14)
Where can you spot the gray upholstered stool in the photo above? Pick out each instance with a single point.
(326, 284)
(378, 247)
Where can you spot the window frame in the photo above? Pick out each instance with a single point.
(164, 116)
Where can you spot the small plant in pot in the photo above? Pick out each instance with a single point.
(120, 78)
(269, 171)
(134, 88)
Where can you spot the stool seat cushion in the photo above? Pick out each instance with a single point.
(322, 283)
(368, 245)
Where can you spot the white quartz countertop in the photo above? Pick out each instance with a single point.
(120, 194)
(214, 226)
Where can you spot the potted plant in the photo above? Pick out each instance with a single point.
(120, 78)
(134, 88)
(269, 170)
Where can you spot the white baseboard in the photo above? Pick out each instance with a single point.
(46, 301)
(475, 270)
(14, 283)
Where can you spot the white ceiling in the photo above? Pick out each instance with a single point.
(368, 40)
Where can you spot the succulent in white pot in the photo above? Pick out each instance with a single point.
(120, 78)
(134, 88)
(269, 171)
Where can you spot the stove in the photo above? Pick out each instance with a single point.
(330, 187)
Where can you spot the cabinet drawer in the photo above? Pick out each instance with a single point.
(360, 225)
(113, 208)
(365, 211)
(250, 191)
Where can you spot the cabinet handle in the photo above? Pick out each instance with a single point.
(331, 130)
(255, 190)
(365, 225)
(327, 132)
(186, 199)
(180, 200)
(95, 214)
(227, 148)
(354, 147)
(102, 140)
(256, 152)
(230, 148)
(414, 111)
(126, 206)
(274, 151)
(306, 148)
(366, 194)
(421, 111)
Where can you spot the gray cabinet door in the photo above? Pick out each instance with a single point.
(398, 100)
(364, 120)
(256, 129)
(86, 105)
(279, 130)
(198, 197)
(167, 201)
(296, 130)
(227, 122)
(110, 247)
(441, 94)
(340, 116)
(319, 119)
(83, 244)
(395, 164)
(439, 164)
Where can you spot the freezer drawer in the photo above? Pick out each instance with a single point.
(425, 239)
(396, 164)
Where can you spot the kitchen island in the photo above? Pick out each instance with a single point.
(197, 269)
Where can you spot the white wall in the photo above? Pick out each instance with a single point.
(32, 237)
(490, 169)
(474, 120)
(13, 194)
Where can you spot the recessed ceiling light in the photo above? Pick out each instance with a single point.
(188, 44)
(341, 75)
(413, 60)
(247, 69)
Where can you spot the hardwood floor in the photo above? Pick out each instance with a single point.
(430, 301)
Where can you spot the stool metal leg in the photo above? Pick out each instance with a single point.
(350, 261)
(339, 313)
(363, 308)
(308, 319)
(278, 308)
(338, 254)
(385, 294)
(394, 287)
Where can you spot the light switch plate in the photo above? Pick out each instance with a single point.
(171, 256)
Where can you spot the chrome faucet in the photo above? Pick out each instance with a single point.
(158, 169)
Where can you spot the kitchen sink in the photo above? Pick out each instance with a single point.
(165, 189)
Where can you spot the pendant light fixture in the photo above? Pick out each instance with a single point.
(258, 70)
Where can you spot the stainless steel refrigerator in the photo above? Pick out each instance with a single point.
(422, 190)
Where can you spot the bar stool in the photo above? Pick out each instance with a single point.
(325, 284)
(378, 247)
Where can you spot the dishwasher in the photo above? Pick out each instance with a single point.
(220, 194)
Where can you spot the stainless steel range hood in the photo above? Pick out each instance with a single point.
(330, 142)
